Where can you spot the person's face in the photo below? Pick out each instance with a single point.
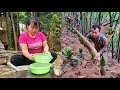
(95, 33)
(33, 29)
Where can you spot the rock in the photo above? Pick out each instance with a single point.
(57, 70)
(57, 62)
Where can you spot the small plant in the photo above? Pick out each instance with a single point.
(75, 61)
(93, 56)
(67, 52)
(102, 64)
(69, 55)
(102, 61)
(81, 52)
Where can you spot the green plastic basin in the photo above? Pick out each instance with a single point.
(42, 58)
(40, 68)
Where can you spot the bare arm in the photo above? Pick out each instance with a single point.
(45, 46)
(25, 51)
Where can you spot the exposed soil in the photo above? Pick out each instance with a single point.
(87, 69)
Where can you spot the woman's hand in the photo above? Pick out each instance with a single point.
(31, 56)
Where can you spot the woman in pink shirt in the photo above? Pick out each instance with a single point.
(32, 41)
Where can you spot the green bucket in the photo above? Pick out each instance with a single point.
(42, 58)
(40, 68)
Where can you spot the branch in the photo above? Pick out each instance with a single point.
(111, 22)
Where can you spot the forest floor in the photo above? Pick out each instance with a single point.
(87, 69)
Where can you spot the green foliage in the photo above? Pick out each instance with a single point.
(69, 55)
(50, 21)
(23, 16)
(68, 52)
(51, 25)
(75, 61)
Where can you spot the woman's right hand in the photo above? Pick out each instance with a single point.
(31, 56)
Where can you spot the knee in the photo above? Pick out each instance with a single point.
(14, 58)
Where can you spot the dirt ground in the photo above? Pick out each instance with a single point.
(87, 69)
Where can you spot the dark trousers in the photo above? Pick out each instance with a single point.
(19, 60)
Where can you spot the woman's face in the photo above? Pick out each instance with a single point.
(33, 29)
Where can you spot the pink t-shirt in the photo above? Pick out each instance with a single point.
(34, 44)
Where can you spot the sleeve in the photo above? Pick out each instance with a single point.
(43, 37)
(22, 39)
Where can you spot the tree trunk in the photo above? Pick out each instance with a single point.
(90, 19)
(118, 50)
(8, 29)
(99, 19)
(112, 36)
(15, 39)
(17, 25)
(82, 22)
(18, 29)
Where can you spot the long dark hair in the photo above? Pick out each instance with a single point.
(34, 20)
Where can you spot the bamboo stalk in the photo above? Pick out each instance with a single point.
(11, 14)
(84, 40)
(8, 30)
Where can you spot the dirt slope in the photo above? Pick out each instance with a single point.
(88, 70)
